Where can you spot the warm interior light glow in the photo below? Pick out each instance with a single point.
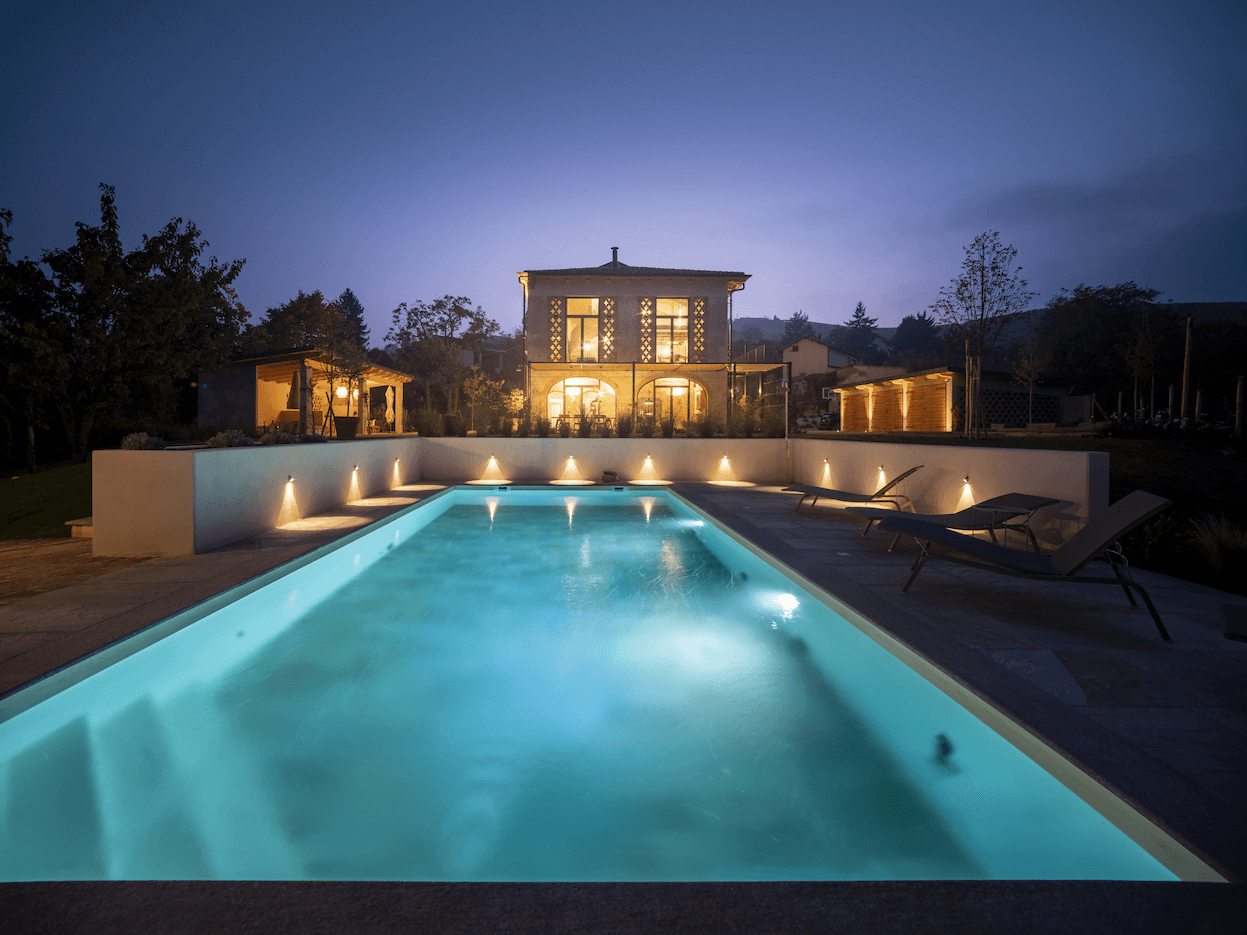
(341, 392)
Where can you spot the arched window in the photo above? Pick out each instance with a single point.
(580, 396)
(668, 396)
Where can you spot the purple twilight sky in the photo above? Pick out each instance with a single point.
(838, 152)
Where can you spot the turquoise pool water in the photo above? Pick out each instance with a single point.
(514, 685)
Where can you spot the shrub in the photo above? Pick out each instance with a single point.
(565, 429)
(707, 427)
(606, 430)
(313, 437)
(141, 441)
(507, 428)
(428, 422)
(585, 428)
(543, 428)
(775, 428)
(456, 425)
(647, 427)
(668, 426)
(623, 425)
(230, 438)
(278, 437)
(1221, 542)
(525, 428)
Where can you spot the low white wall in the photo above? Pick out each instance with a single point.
(1078, 479)
(184, 502)
(760, 460)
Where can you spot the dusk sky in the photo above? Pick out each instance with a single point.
(837, 152)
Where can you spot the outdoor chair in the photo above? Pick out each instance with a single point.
(879, 496)
(1098, 539)
(988, 515)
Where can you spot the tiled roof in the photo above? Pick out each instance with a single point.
(623, 269)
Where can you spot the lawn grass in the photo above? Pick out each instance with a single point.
(36, 506)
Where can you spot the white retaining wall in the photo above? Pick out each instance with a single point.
(520, 460)
(185, 502)
(1078, 479)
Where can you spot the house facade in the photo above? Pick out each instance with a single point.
(603, 341)
(810, 356)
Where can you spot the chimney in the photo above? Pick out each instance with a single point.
(614, 256)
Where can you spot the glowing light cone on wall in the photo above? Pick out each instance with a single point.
(353, 493)
(289, 507)
(647, 474)
(571, 474)
(825, 480)
(397, 479)
(966, 500)
(724, 476)
(492, 474)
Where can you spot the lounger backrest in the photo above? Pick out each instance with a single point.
(896, 480)
(1127, 513)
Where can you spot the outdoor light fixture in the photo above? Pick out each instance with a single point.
(967, 478)
(341, 392)
(289, 478)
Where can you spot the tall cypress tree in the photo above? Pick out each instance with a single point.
(353, 312)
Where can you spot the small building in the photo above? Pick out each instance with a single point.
(290, 389)
(602, 341)
(934, 401)
(809, 355)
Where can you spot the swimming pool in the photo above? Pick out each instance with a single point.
(523, 684)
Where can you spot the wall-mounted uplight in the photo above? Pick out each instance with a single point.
(289, 478)
(967, 478)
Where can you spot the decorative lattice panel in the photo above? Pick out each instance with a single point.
(557, 315)
(1009, 407)
(699, 329)
(607, 320)
(647, 330)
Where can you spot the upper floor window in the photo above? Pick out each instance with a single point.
(671, 330)
(582, 329)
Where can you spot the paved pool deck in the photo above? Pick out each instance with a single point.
(1162, 725)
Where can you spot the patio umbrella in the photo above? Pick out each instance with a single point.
(389, 405)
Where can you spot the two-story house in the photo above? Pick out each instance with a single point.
(602, 341)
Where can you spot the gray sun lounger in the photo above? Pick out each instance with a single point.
(1095, 540)
(879, 496)
(990, 515)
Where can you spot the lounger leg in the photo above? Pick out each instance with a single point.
(917, 567)
(1151, 609)
(895, 539)
(1123, 579)
(869, 525)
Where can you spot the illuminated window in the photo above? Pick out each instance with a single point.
(580, 396)
(672, 396)
(671, 330)
(582, 329)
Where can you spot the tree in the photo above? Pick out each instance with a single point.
(353, 313)
(114, 331)
(917, 341)
(797, 327)
(859, 334)
(430, 340)
(1092, 331)
(1029, 361)
(481, 391)
(979, 305)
